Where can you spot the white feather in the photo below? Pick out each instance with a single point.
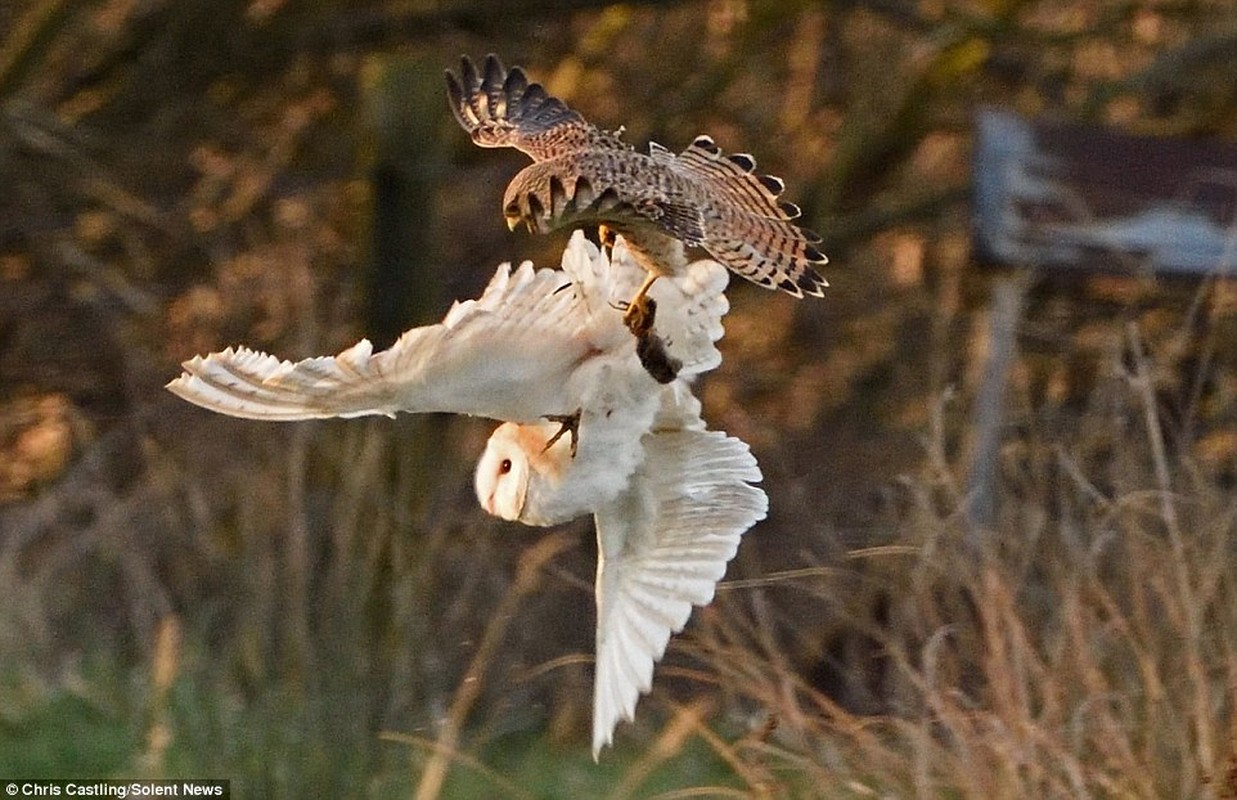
(664, 544)
(521, 333)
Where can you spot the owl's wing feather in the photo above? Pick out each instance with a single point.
(664, 544)
(601, 281)
(500, 108)
(690, 308)
(498, 356)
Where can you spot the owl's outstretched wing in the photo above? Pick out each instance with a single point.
(502, 109)
(664, 544)
(505, 355)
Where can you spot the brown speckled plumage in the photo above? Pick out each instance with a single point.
(661, 202)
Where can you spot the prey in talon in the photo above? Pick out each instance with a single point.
(651, 348)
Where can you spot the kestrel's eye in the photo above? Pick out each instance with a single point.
(512, 210)
(504, 467)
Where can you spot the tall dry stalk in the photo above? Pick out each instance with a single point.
(528, 575)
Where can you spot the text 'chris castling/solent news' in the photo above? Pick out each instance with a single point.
(114, 787)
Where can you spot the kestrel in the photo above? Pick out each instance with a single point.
(661, 203)
(669, 498)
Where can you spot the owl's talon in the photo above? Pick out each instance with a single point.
(569, 424)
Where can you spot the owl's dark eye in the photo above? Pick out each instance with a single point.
(504, 467)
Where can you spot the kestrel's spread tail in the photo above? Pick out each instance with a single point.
(660, 202)
(749, 229)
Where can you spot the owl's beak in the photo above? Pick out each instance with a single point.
(512, 222)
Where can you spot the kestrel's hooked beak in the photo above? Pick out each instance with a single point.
(512, 212)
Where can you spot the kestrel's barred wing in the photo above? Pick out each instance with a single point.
(661, 202)
(732, 175)
(746, 226)
(502, 109)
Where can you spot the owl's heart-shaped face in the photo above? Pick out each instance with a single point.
(524, 477)
(503, 473)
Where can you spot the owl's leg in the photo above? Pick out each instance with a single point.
(638, 317)
(569, 424)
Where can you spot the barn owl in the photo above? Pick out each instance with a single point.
(670, 499)
(661, 203)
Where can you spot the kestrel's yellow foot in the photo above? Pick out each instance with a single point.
(569, 424)
(638, 317)
(607, 236)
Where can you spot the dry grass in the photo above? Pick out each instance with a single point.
(1087, 647)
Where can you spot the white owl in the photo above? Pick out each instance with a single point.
(670, 499)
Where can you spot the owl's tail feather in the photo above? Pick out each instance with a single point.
(754, 234)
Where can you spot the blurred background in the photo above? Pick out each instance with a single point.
(321, 609)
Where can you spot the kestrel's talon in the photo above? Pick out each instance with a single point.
(569, 424)
(636, 318)
(641, 309)
(607, 236)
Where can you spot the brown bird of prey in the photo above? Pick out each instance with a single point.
(661, 203)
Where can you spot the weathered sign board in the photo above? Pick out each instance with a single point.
(1063, 194)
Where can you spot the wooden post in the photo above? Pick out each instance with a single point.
(1008, 294)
